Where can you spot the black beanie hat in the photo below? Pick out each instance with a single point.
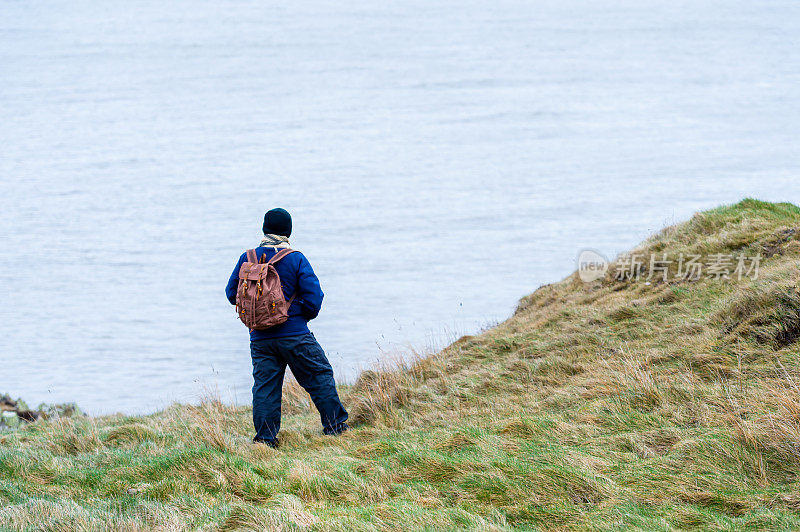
(278, 222)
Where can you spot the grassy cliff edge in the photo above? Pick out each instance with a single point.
(603, 405)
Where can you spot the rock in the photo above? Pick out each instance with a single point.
(7, 404)
(29, 415)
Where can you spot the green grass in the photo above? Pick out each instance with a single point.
(604, 406)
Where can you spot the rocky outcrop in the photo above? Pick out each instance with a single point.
(13, 413)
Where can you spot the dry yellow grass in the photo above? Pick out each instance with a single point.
(612, 405)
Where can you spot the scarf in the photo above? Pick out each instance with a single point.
(274, 241)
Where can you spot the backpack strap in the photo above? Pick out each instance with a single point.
(279, 255)
(252, 256)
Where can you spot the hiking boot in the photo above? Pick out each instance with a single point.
(335, 431)
(271, 443)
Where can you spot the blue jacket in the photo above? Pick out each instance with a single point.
(297, 277)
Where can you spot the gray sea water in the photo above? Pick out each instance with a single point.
(441, 159)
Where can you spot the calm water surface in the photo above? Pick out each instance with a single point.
(441, 160)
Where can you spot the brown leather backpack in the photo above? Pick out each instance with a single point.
(260, 302)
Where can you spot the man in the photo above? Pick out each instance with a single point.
(290, 342)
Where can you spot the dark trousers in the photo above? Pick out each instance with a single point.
(312, 370)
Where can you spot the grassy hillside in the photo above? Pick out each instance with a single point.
(668, 405)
